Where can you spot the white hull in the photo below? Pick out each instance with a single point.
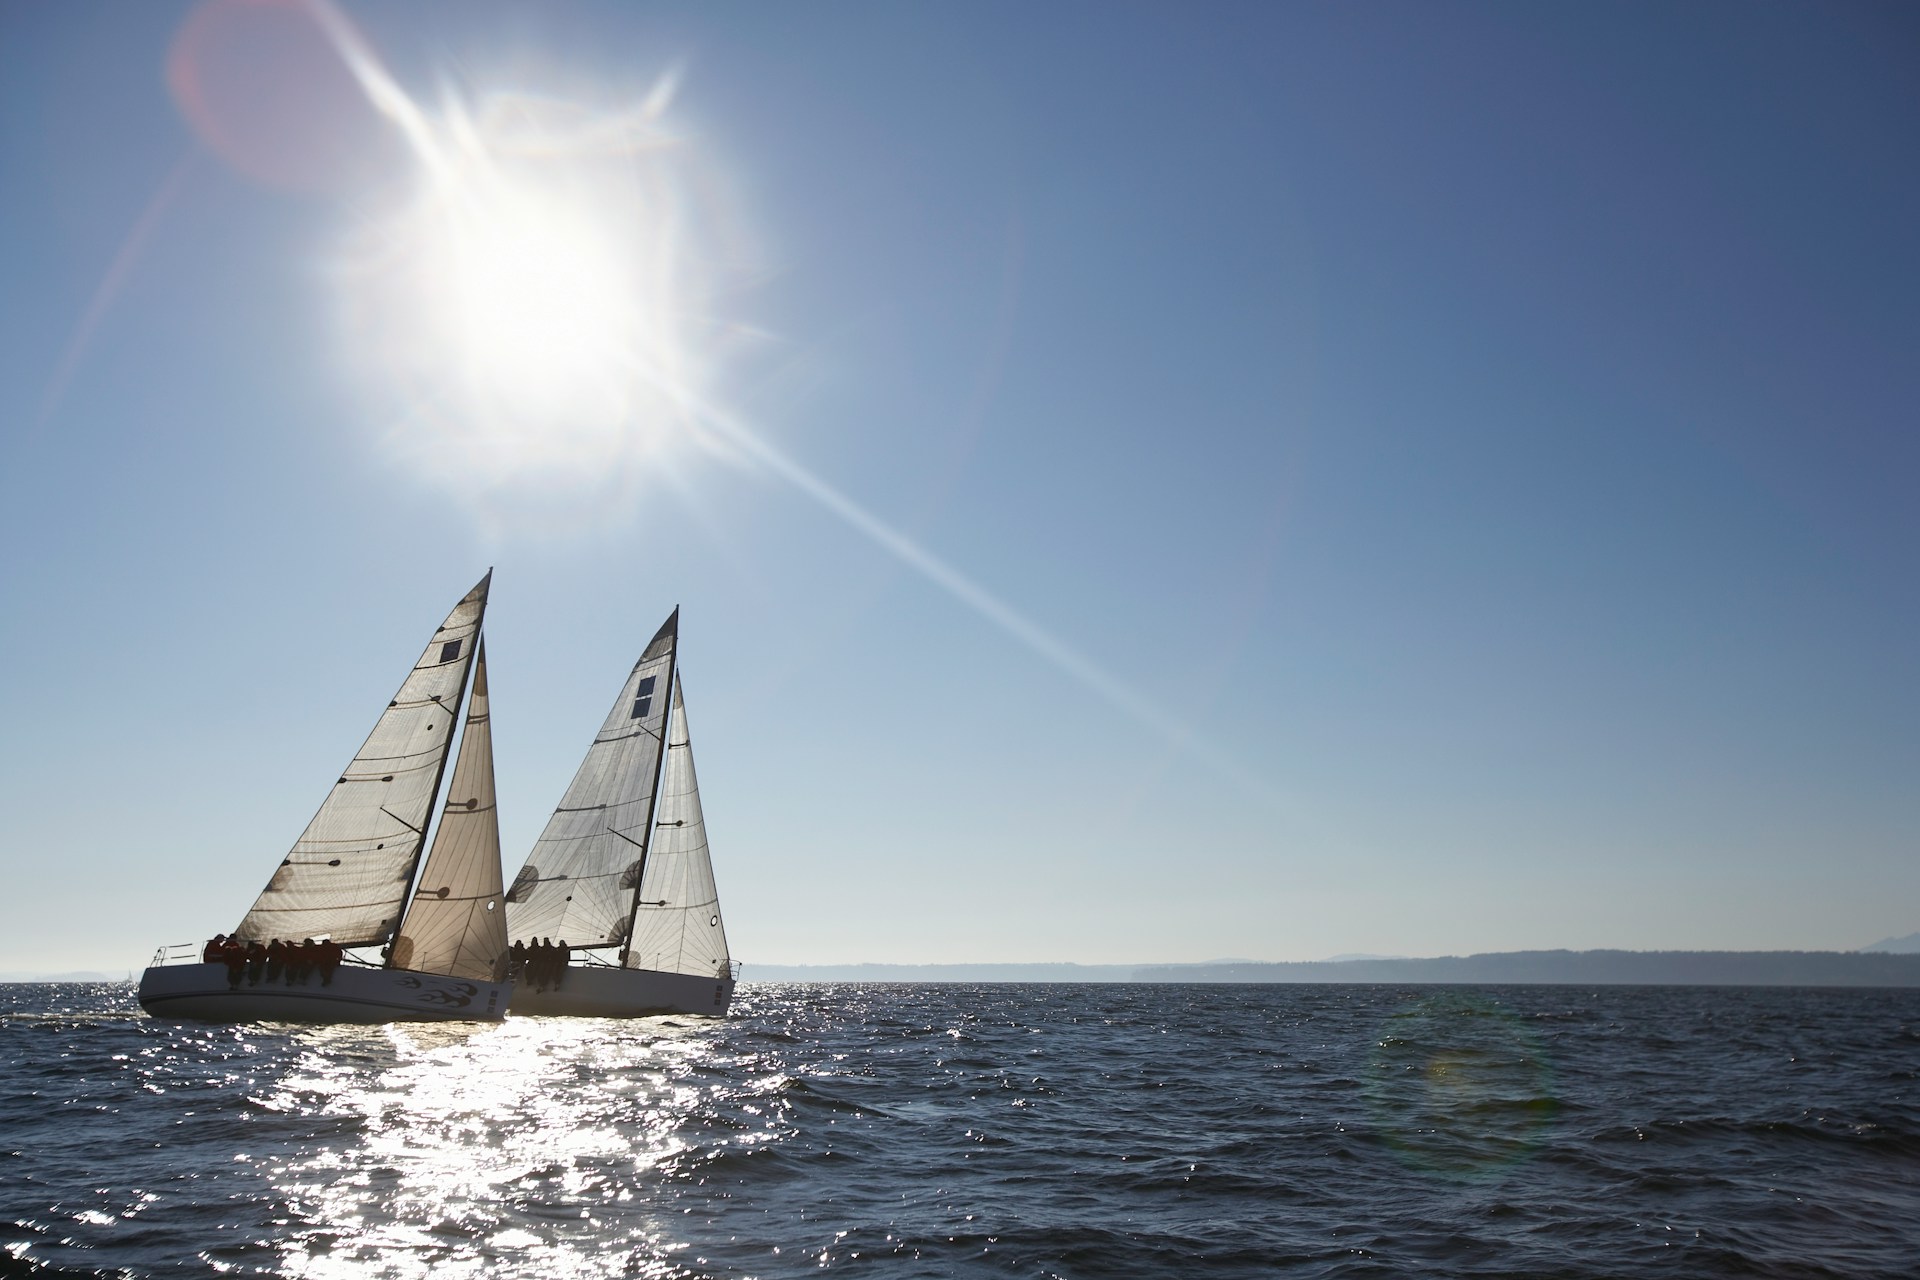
(599, 991)
(356, 994)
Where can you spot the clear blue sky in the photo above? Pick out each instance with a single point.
(1143, 482)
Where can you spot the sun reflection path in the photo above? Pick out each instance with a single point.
(537, 1143)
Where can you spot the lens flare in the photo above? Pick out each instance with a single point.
(1460, 1088)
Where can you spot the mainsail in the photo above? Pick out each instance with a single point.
(348, 874)
(580, 881)
(676, 923)
(457, 923)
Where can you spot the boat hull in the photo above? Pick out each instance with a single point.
(201, 992)
(600, 991)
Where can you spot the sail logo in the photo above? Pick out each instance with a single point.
(642, 698)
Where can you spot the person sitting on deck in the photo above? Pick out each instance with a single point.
(235, 957)
(300, 958)
(214, 949)
(256, 961)
(537, 964)
(331, 954)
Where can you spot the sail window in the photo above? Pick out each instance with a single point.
(449, 651)
(642, 698)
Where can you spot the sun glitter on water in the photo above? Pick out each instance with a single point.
(471, 1144)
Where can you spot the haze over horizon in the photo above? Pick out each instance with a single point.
(1142, 484)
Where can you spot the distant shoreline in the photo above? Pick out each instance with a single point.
(1632, 968)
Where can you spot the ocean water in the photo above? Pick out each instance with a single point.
(955, 1130)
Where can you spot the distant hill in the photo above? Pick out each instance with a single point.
(937, 972)
(1899, 946)
(1648, 968)
(1652, 968)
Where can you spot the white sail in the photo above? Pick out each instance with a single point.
(348, 874)
(578, 884)
(457, 922)
(676, 926)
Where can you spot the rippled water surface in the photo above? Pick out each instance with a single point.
(903, 1130)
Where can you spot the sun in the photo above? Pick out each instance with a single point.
(530, 294)
(538, 302)
(531, 280)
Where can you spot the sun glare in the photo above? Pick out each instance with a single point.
(534, 296)
(538, 304)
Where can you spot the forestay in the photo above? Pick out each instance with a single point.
(348, 874)
(457, 922)
(579, 882)
(676, 925)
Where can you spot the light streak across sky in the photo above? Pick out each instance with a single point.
(451, 150)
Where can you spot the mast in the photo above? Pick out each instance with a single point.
(679, 929)
(453, 924)
(653, 800)
(433, 795)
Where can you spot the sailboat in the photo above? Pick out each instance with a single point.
(622, 876)
(347, 879)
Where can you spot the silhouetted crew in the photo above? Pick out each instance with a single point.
(562, 957)
(547, 975)
(213, 951)
(256, 961)
(331, 954)
(517, 961)
(235, 957)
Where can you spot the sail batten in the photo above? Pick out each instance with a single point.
(347, 876)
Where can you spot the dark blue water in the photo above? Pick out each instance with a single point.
(948, 1130)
